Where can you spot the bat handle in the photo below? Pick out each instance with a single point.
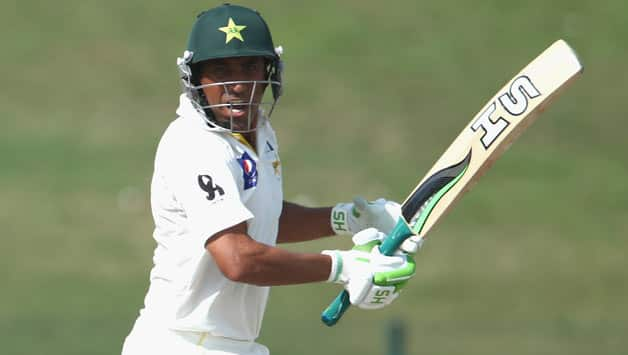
(332, 314)
(393, 241)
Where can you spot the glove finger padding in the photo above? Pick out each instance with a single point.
(386, 284)
(393, 270)
(360, 203)
(412, 244)
(350, 218)
(358, 288)
(372, 279)
(364, 239)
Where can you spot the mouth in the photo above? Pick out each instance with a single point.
(235, 109)
(236, 115)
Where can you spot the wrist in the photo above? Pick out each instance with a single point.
(336, 265)
(339, 218)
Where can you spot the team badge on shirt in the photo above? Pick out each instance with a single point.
(249, 170)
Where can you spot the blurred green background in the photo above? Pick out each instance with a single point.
(532, 261)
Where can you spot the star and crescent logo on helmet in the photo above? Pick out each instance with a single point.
(232, 30)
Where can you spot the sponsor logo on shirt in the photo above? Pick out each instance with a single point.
(206, 184)
(249, 170)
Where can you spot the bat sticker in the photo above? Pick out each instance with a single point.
(418, 207)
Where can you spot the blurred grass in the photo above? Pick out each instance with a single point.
(532, 261)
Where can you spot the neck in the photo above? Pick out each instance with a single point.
(251, 137)
(248, 139)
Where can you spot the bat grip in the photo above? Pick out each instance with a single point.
(332, 314)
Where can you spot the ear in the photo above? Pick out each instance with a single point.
(197, 71)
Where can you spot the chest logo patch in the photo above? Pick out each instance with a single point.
(206, 184)
(249, 170)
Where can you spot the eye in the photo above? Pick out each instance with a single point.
(219, 71)
(253, 67)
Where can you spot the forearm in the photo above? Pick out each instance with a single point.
(271, 266)
(242, 259)
(298, 223)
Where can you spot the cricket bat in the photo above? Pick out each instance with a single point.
(480, 143)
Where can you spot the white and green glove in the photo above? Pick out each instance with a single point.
(350, 218)
(373, 280)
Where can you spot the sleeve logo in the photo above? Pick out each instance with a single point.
(249, 170)
(206, 184)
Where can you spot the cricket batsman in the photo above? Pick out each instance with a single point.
(218, 207)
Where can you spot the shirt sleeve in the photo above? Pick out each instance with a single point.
(206, 186)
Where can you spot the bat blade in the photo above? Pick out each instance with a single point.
(490, 133)
(481, 142)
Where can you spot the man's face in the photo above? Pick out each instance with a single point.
(239, 100)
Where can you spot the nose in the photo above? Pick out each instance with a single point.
(240, 88)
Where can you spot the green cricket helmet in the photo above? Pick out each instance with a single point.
(229, 31)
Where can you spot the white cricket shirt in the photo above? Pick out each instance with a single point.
(205, 182)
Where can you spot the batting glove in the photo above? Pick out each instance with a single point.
(350, 218)
(373, 280)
